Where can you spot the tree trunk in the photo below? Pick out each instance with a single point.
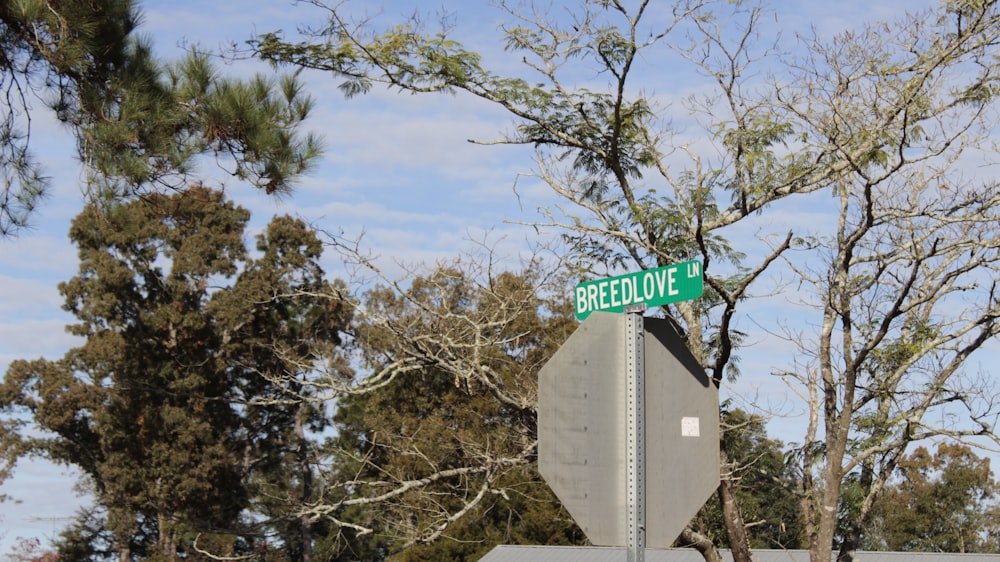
(732, 517)
(701, 543)
(166, 541)
(821, 545)
(305, 473)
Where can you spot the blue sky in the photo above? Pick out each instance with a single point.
(397, 168)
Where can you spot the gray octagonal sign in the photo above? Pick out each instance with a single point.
(582, 431)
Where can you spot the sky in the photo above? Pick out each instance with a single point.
(397, 168)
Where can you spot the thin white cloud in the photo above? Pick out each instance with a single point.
(21, 298)
(39, 254)
(33, 339)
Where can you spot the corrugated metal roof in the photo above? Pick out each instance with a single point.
(508, 553)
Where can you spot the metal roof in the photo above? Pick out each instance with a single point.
(506, 553)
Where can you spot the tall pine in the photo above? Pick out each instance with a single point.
(140, 124)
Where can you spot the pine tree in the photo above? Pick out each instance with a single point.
(64, 54)
(140, 124)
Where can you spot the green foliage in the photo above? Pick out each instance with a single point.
(943, 502)
(428, 63)
(140, 125)
(598, 147)
(62, 54)
(175, 408)
(152, 136)
(756, 142)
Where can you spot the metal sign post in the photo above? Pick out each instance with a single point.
(635, 438)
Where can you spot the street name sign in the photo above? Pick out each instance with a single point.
(651, 288)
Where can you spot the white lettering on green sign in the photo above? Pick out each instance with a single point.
(653, 287)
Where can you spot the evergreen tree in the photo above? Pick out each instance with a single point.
(54, 53)
(295, 320)
(167, 407)
(942, 502)
(140, 125)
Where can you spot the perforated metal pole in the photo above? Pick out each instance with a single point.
(635, 441)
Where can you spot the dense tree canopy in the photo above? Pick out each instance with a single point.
(209, 373)
(173, 407)
(942, 502)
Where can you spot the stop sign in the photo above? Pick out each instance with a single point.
(582, 430)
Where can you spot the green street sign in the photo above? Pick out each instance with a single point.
(651, 288)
